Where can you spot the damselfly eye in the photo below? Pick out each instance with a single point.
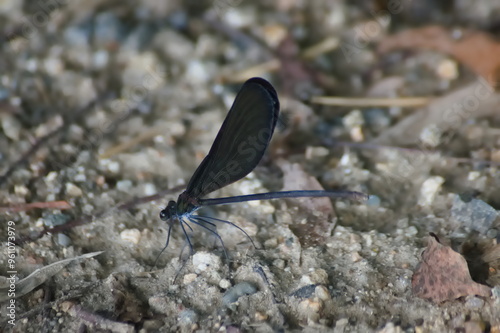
(164, 215)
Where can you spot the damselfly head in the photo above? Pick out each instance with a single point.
(169, 211)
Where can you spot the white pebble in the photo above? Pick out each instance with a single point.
(429, 190)
(431, 135)
(80, 178)
(224, 284)
(197, 72)
(188, 278)
(100, 59)
(203, 260)
(21, 190)
(51, 176)
(131, 235)
(124, 185)
(473, 175)
(73, 190)
(53, 66)
(149, 189)
(111, 166)
(11, 127)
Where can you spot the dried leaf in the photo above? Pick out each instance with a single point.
(38, 277)
(443, 275)
(312, 221)
(477, 50)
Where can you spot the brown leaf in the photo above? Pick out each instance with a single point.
(477, 50)
(313, 218)
(443, 275)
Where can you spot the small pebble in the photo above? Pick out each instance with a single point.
(274, 34)
(356, 257)
(124, 185)
(224, 284)
(54, 220)
(188, 278)
(322, 293)
(411, 231)
(377, 119)
(314, 152)
(390, 328)
(473, 175)
(279, 263)
(260, 316)
(159, 304)
(72, 190)
(11, 127)
(149, 189)
(475, 326)
(241, 289)
(431, 136)
(100, 59)
(373, 201)
(204, 260)
(53, 66)
(188, 317)
(429, 190)
(111, 166)
(495, 155)
(63, 240)
(341, 324)
(21, 190)
(234, 16)
(131, 235)
(271, 243)
(354, 121)
(309, 309)
(474, 214)
(473, 302)
(495, 293)
(80, 178)
(197, 72)
(447, 69)
(66, 305)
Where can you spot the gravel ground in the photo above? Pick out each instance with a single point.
(107, 109)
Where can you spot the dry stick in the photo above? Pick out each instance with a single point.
(44, 139)
(257, 70)
(44, 205)
(372, 102)
(88, 218)
(326, 45)
(131, 143)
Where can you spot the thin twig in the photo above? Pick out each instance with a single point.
(43, 205)
(257, 70)
(372, 102)
(131, 143)
(326, 45)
